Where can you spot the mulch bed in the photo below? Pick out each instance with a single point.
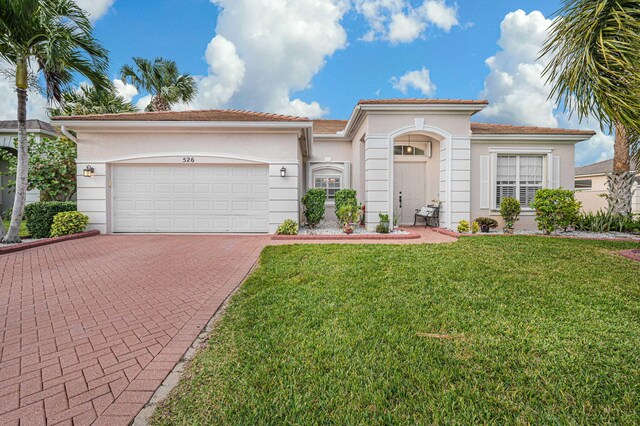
(631, 254)
(45, 241)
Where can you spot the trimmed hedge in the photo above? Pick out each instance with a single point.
(39, 216)
(67, 223)
(313, 202)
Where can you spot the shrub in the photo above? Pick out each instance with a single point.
(463, 227)
(345, 196)
(475, 227)
(556, 208)
(603, 221)
(40, 216)
(382, 229)
(510, 211)
(384, 218)
(67, 223)
(6, 215)
(313, 202)
(288, 227)
(486, 223)
(348, 213)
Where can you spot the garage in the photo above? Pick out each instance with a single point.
(190, 198)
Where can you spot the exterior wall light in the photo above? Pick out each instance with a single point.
(283, 172)
(88, 171)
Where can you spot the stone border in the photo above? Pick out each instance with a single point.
(46, 241)
(633, 254)
(342, 237)
(455, 234)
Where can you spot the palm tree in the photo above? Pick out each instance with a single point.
(87, 101)
(56, 36)
(162, 80)
(594, 69)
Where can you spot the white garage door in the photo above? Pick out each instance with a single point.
(190, 198)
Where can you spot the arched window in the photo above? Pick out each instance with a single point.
(331, 177)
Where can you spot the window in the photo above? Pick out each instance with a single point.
(583, 184)
(519, 176)
(407, 150)
(330, 183)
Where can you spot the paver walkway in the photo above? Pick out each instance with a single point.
(90, 328)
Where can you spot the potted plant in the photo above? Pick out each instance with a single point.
(487, 223)
(510, 212)
(383, 227)
(349, 216)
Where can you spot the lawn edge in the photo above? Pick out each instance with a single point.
(46, 241)
(409, 236)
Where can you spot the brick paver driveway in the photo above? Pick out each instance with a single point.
(90, 328)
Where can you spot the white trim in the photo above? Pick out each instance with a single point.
(520, 150)
(189, 154)
(110, 124)
(532, 138)
(65, 132)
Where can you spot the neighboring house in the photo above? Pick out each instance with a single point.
(221, 170)
(591, 186)
(8, 134)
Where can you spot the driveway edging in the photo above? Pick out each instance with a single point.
(46, 241)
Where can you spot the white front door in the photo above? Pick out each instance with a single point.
(409, 189)
(190, 198)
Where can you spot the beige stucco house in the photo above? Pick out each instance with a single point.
(8, 134)
(239, 171)
(591, 186)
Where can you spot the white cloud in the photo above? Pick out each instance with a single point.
(399, 22)
(127, 91)
(517, 91)
(418, 79)
(142, 103)
(95, 8)
(264, 51)
(36, 103)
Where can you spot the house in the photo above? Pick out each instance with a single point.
(240, 171)
(8, 134)
(591, 186)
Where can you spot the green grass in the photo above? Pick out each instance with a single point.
(23, 227)
(545, 331)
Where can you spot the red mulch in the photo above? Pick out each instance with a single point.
(631, 254)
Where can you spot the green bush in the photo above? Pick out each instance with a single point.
(313, 202)
(382, 229)
(510, 211)
(67, 223)
(288, 227)
(39, 216)
(475, 227)
(6, 215)
(487, 222)
(348, 213)
(345, 196)
(463, 227)
(556, 209)
(603, 221)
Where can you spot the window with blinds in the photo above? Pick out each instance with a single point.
(520, 177)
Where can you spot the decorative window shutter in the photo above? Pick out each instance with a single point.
(556, 171)
(485, 189)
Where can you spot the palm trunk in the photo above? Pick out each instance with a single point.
(13, 234)
(158, 103)
(620, 181)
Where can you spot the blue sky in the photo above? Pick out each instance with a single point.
(317, 58)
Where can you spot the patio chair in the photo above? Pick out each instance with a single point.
(430, 214)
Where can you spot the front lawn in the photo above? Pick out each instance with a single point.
(518, 330)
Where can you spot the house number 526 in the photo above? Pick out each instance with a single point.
(188, 160)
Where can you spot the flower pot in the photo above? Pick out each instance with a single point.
(348, 231)
(484, 228)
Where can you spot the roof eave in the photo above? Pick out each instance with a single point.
(530, 137)
(111, 125)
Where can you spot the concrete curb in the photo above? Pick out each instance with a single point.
(46, 241)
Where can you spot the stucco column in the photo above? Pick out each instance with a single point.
(458, 175)
(377, 178)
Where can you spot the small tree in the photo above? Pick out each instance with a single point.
(52, 168)
(313, 202)
(345, 197)
(510, 212)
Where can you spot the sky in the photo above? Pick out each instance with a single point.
(317, 58)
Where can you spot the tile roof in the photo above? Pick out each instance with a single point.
(600, 168)
(202, 115)
(421, 101)
(328, 126)
(31, 126)
(504, 129)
